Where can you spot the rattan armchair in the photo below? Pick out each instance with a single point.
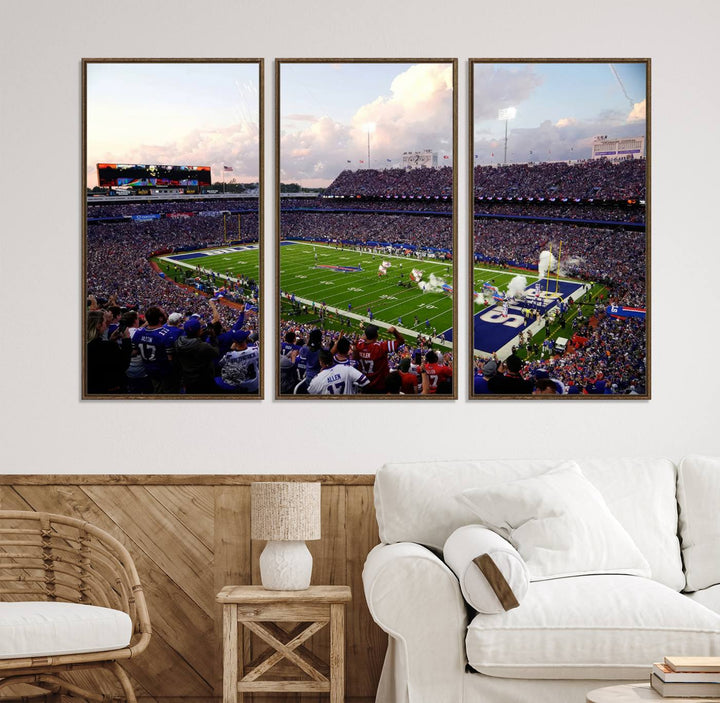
(46, 557)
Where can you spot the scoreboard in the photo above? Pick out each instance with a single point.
(112, 175)
(419, 159)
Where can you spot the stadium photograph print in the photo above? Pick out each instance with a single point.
(366, 212)
(559, 213)
(172, 203)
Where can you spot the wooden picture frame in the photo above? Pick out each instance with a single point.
(330, 117)
(164, 136)
(559, 228)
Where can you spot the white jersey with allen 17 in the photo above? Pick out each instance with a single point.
(338, 380)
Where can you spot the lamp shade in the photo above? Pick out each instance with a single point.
(285, 510)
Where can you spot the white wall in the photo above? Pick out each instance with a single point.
(44, 427)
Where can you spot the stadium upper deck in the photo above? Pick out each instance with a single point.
(583, 180)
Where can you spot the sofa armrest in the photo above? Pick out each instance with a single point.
(416, 599)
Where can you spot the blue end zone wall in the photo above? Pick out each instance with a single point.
(492, 331)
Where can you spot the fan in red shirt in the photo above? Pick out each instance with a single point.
(437, 373)
(371, 354)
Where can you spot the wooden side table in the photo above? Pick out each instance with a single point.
(258, 610)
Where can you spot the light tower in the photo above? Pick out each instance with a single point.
(507, 114)
(369, 128)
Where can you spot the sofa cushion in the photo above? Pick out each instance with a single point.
(40, 629)
(709, 597)
(698, 492)
(607, 627)
(560, 524)
(416, 502)
(493, 577)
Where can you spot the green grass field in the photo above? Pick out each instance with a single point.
(300, 275)
(235, 261)
(390, 303)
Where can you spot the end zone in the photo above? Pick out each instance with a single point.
(495, 332)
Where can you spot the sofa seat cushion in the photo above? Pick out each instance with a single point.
(40, 629)
(609, 627)
(709, 597)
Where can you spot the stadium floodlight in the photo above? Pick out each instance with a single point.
(369, 128)
(507, 114)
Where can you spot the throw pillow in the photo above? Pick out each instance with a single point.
(560, 524)
(492, 575)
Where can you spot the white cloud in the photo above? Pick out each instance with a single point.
(416, 115)
(637, 113)
(496, 88)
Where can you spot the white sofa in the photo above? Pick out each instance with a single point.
(568, 635)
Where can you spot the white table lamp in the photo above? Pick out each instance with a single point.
(285, 513)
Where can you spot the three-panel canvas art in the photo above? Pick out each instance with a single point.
(367, 261)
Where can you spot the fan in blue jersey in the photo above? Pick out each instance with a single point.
(240, 367)
(155, 345)
(288, 346)
(225, 337)
(174, 326)
(336, 379)
(307, 360)
(341, 352)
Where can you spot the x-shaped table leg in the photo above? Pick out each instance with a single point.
(273, 635)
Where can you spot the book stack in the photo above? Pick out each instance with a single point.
(687, 677)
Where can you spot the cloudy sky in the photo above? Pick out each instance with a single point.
(328, 110)
(560, 108)
(195, 114)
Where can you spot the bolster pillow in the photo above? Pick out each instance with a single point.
(493, 576)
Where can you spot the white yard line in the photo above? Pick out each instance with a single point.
(374, 321)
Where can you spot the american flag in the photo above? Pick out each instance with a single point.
(227, 168)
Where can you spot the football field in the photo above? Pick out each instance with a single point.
(236, 261)
(496, 329)
(348, 281)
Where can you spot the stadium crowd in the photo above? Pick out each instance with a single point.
(598, 179)
(121, 282)
(614, 257)
(392, 366)
(598, 212)
(156, 353)
(607, 357)
(423, 232)
(401, 204)
(125, 209)
(393, 181)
